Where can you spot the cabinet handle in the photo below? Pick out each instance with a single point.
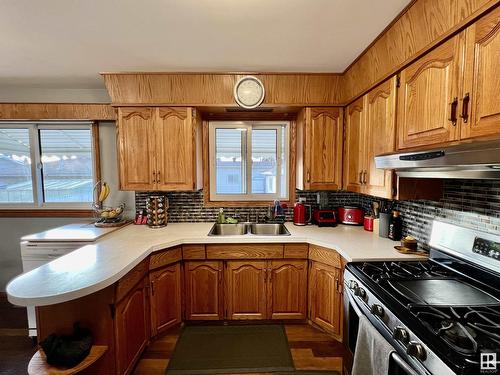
(154, 176)
(364, 176)
(453, 111)
(308, 176)
(465, 108)
(158, 176)
(361, 177)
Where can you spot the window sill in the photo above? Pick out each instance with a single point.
(46, 213)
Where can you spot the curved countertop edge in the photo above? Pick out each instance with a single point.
(22, 289)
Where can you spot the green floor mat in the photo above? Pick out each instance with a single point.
(218, 349)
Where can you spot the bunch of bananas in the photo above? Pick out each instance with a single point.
(103, 194)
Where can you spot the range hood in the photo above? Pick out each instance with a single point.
(475, 160)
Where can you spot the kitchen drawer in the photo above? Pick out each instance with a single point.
(165, 257)
(240, 251)
(325, 256)
(193, 252)
(296, 251)
(127, 282)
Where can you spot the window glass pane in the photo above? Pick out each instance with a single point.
(230, 166)
(15, 166)
(264, 156)
(67, 165)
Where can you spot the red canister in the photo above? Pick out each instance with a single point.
(368, 223)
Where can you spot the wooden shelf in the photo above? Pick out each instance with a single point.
(38, 364)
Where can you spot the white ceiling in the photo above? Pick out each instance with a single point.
(66, 43)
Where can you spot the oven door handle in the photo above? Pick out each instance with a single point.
(404, 366)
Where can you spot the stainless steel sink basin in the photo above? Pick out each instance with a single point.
(269, 230)
(228, 230)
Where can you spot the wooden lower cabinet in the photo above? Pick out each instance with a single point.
(131, 327)
(246, 289)
(275, 289)
(165, 296)
(325, 298)
(203, 290)
(287, 289)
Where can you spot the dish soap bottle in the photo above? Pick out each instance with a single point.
(221, 218)
(396, 226)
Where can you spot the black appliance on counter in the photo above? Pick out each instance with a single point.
(441, 315)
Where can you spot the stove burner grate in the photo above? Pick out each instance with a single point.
(389, 270)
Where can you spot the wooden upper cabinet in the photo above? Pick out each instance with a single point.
(246, 289)
(166, 303)
(355, 120)
(380, 138)
(428, 97)
(176, 131)
(136, 148)
(480, 103)
(370, 130)
(159, 148)
(320, 133)
(203, 290)
(288, 289)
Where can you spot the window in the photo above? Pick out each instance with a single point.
(248, 160)
(46, 165)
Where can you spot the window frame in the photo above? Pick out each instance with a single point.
(38, 204)
(283, 133)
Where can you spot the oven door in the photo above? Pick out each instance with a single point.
(352, 312)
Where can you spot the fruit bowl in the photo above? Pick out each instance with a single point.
(106, 214)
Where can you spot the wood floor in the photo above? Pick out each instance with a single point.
(16, 348)
(311, 350)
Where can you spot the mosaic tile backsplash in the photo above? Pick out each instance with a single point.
(472, 203)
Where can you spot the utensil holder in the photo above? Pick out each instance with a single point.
(385, 219)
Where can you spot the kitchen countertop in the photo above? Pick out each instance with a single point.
(96, 266)
(77, 232)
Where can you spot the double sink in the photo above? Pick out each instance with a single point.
(241, 229)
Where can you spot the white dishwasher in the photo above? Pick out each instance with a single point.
(40, 248)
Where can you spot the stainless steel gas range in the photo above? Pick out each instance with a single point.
(442, 316)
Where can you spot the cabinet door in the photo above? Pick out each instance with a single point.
(428, 97)
(288, 289)
(380, 137)
(131, 330)
(166, 304)
(323, 148)
(246, 289)
(176, 154)
(203, 294)
(325, 300)
(354, 146)
(480, 104)
(136, 148)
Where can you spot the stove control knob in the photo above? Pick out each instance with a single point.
(361, 293)
(377, 310)
(353, 285)
(416, 350)
(401, 334)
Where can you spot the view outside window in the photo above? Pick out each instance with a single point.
(15, 166)
(264, 161)
(66, 156)
(62, 154)
(250, 161)
(230, 169)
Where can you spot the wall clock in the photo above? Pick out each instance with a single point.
(249, 92)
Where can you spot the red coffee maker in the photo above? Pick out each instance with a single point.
(302, 213)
